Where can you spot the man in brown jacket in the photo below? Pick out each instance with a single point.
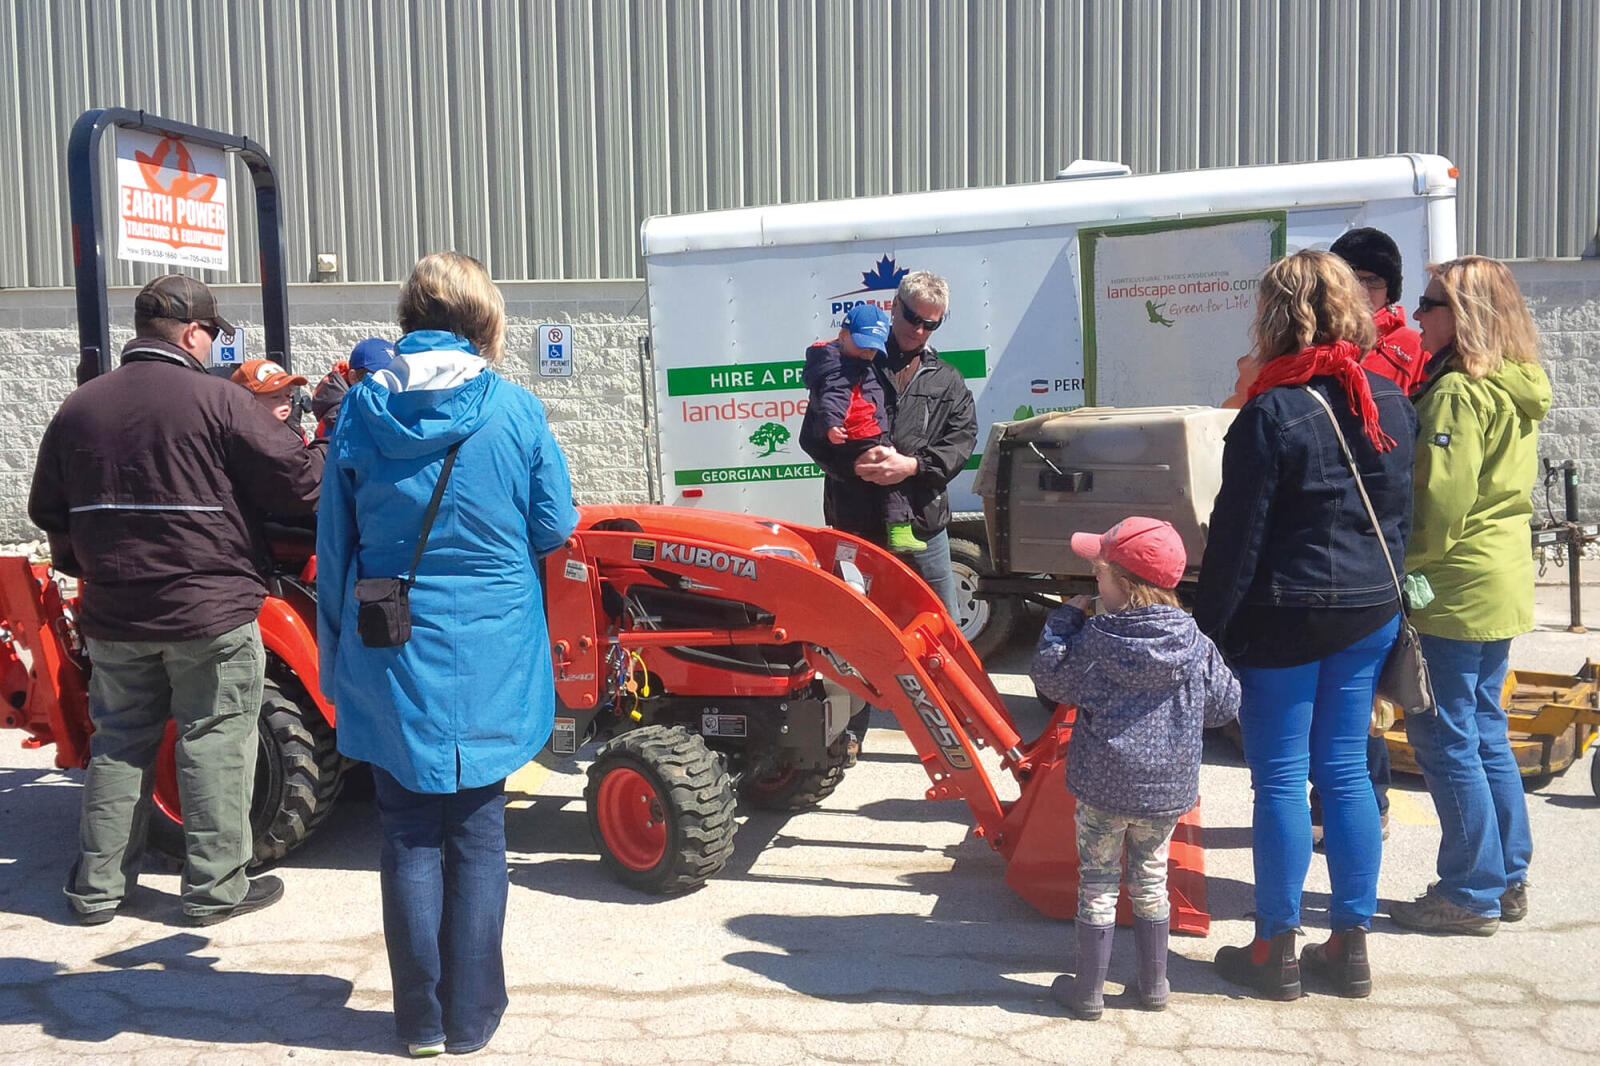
(148, 483)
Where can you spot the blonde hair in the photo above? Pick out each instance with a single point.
(1492, 320)
(1307, 300)
(924, 287)
(1141, 593)
(452, 291)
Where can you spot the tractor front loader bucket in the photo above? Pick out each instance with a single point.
(1042, 867)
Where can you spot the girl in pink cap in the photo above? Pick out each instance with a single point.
(1146, 682)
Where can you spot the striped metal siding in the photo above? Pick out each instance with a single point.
(537, 134)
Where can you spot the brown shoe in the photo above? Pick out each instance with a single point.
(1432, 913)
(1342, 962)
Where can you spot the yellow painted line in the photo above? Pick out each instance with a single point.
(1409, 809)
(528, 780)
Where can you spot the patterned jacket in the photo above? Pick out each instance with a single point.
(1145, 681)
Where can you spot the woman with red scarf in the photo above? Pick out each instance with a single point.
(1296, 591)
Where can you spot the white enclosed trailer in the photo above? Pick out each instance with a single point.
(1125, 290)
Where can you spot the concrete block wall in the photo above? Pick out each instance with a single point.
(597, 414)
(1564, 296)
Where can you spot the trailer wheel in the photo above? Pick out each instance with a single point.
(791, 788)
(1594, 773)
(987, 624)
(299, 775)
(661, 809)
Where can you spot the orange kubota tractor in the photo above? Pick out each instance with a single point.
(710, 654)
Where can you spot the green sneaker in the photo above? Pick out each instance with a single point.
(902, 540)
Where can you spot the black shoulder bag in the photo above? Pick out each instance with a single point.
(1404, 679)
(383, 617)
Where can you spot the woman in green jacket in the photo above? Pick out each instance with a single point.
(1477, 455)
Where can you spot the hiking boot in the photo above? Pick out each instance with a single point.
(1268, 966)
(263, 893)
(1084, 993)
(1432, 913)
(1150, 937)
(1342, 962)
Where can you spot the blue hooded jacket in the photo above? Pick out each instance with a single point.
(470, 698)
(1145, 681)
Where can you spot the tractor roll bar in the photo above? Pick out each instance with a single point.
(84, 192)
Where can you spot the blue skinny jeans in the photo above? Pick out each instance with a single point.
(1313, 720)
(1466, 760)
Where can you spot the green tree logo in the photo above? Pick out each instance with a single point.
(770, 436)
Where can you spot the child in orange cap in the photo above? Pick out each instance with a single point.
(1145, 682)
(271, 385)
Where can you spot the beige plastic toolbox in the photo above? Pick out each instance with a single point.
(1049, 477)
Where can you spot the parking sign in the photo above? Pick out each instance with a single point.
(554, 349)
(228, 348)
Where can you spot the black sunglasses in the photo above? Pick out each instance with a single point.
(1428, 303)
(929, 324)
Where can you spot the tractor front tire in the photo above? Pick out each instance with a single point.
(790, 788)
(661, 809)
(299, 774)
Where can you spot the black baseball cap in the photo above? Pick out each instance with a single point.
(181, 298)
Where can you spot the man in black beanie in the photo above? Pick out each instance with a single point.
(1398, 355)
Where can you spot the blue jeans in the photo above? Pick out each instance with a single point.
(1466, 760)
(443, 872)
(1312, 720)
(933, 563)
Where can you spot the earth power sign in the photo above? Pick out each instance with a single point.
(172, 202)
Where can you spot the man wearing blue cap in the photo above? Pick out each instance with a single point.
(848, 413)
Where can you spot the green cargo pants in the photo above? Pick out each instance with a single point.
(212, 689)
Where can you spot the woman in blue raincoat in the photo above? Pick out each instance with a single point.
(447, 715)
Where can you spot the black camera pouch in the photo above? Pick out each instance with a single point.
(383, 614)
(383, 611)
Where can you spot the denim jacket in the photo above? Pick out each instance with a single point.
(1288, 528)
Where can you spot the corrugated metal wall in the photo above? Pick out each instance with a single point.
(537, 134)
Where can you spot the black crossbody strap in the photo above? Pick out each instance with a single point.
(433, 510)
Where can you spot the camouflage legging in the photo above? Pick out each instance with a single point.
(1100, 839)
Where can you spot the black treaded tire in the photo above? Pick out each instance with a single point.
(686, 799)
(1594, 771)
(299, 775)
(791, 789)
(987, 624)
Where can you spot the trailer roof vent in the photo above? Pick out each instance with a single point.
(1093, 168)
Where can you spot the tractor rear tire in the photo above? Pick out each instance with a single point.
(661, 809)
(794, 789)
(299, 775)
